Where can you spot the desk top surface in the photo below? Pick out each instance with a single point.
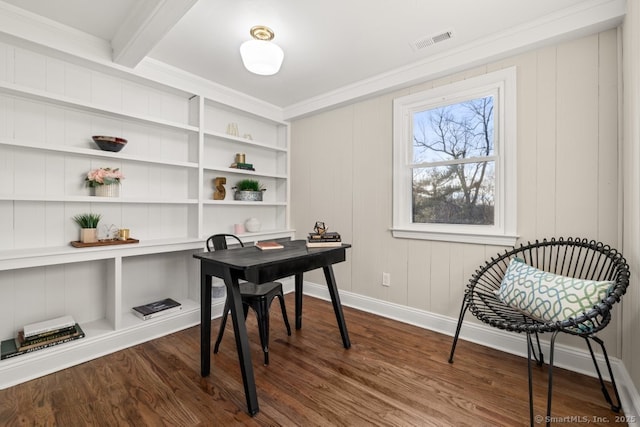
(251, 256)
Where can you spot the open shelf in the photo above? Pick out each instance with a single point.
(165, 199)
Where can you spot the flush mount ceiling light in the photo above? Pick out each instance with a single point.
(261, 55)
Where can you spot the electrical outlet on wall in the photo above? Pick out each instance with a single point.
(386, 279)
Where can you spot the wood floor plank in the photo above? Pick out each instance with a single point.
(393, 375)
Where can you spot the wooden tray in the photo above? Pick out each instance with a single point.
(103, 243)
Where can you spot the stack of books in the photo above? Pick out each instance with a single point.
(157, 308)
(244, 166)
(37, 336)
(324, 240)
(265, 246)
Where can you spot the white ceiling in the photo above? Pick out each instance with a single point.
(329, 45)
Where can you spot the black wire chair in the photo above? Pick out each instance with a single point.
(573, 257)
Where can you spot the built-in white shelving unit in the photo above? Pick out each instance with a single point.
(178, 144)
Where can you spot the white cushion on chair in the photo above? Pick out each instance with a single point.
(548, 297)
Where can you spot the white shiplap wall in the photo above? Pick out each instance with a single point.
(42, 188)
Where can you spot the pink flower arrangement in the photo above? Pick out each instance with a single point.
(103, 176)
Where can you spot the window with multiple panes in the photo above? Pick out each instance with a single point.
(454, 161)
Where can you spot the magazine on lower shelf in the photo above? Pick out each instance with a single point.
(157, 308)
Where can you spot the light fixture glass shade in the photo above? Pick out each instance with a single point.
(261, 57)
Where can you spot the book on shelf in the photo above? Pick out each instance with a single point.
(51, 325)
(325, 237)
(330, 239)
(26, 343)
(265, 246)
(245, 166)
(324, 240)
(329, 244)
(11, 348)
(157, 308)
(46, 335)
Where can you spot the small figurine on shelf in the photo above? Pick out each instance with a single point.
(232, 129)
(218, 184)
(320, 228)
(108, 232)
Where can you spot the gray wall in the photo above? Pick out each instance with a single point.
(341, 173)
(631, 179)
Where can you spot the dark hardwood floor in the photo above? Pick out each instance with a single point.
(393, 375)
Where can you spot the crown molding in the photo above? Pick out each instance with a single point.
(587, 17)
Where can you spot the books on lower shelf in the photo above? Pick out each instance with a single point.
(265, 246)
(157, 308)
(50, 325)
(20, 344)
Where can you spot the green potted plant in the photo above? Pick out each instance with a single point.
(88, 223)
(248, 190)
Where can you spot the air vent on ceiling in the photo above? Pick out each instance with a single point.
(423, 42)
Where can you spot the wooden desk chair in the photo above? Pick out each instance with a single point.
(258, 297)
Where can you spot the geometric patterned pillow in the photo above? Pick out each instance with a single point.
(548, 297)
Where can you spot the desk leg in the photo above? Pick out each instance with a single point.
(242, 342)
(205, 323)
(337, 306)
(298, 293)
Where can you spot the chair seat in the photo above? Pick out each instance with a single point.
(251, 290)
(258, 297)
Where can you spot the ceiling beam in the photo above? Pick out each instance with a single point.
(147, 24)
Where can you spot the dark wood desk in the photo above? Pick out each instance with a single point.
(254, 265)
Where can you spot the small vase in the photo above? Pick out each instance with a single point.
(111, 190)
(88, 235)
(252, 225)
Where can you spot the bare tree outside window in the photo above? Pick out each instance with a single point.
(455, 161)
(454, 164)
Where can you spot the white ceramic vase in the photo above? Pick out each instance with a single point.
(252, 225)
(111, 190)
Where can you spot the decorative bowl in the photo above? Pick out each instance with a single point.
(110, 143)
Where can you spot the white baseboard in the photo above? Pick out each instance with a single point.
(567, 357)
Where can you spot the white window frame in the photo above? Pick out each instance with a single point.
(502, 85)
